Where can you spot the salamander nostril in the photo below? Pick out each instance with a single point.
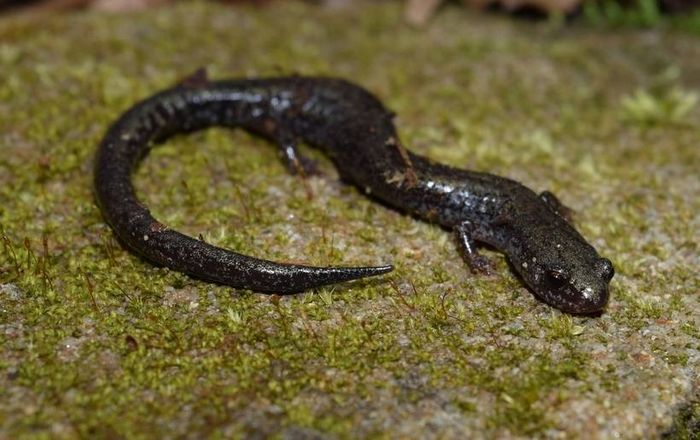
(607, 271)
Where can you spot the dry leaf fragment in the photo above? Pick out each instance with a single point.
(418, 12)
(549, 6)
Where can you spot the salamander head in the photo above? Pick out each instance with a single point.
(562, 269)
(575, 289)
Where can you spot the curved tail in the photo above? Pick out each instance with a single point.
(129, 139)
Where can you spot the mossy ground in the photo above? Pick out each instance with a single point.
(96, 342)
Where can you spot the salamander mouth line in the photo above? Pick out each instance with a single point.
(354, 128)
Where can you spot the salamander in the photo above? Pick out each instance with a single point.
(354, 129)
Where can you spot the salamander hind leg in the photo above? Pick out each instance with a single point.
(295, 162)
(467, 248)
(198, 79)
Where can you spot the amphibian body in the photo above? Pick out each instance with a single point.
(355, 130)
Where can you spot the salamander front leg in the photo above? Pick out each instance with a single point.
(557, 206)
(465, 239)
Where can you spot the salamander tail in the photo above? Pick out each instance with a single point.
(308, 277)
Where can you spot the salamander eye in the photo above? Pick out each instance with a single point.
(557, 277)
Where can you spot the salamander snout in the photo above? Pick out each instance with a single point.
(578, 290)
(605, 269)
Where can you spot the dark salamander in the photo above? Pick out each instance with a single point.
(357, 133)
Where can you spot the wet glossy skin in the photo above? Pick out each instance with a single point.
(357, 133)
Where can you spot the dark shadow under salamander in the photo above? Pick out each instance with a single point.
(355, 130)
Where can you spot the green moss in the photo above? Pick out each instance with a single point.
(96, 342)
(686, 422)
(643, 13)
(639, 14)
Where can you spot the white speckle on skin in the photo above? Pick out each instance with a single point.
(524, 264)
(145, 238)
